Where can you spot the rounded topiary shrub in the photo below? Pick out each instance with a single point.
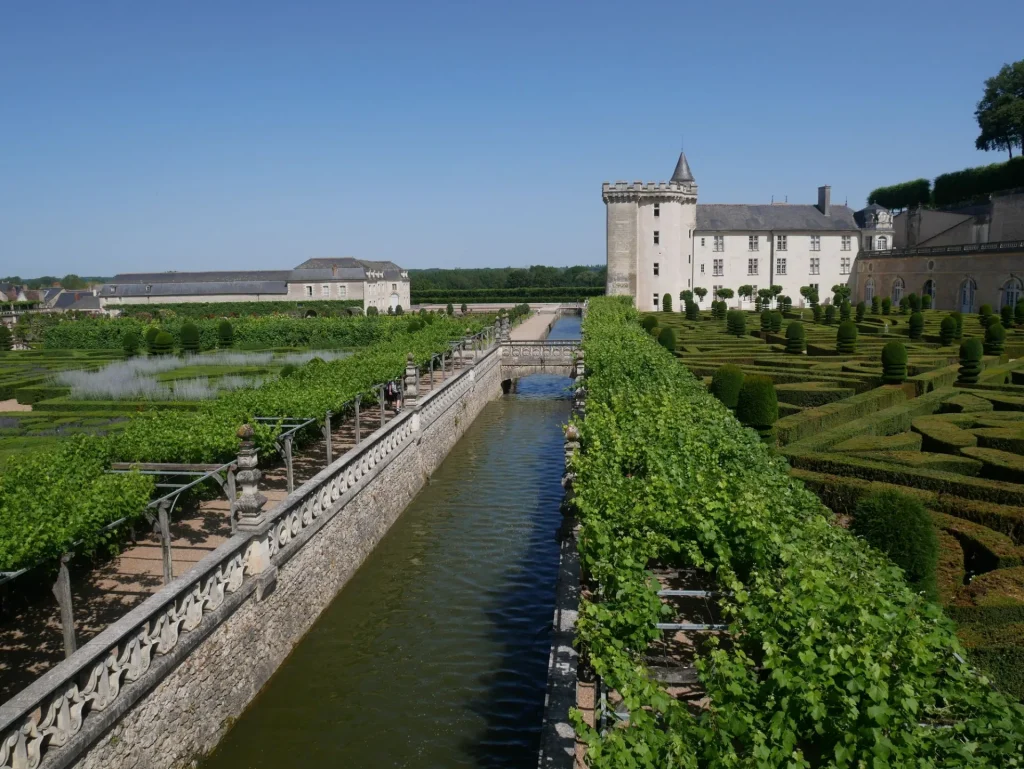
(914, 302)
(995, 338)
(150, 337)
(129, 343)
(692, 311)
(844, 311)
(399, 310)
(667, 339)
(1006, 314)
(189, 337)
(225, 334)
(371, 311)
(449, 309)
(861, 311)
(894, 363)
(775, 322)
(876, 305)
(926, 301)
(817, 312)
(904, 306)
(947, 330)
(970, 361)
(886, 306)
(916, 325)
(1018, 312)
(985, 310)
(666, 303)
(163, 343)
(795, 338)
(846, 338)
(900, 527)
(757, 405)
(6, 338)
(726, 384)
(736, 321)
(414, 325)
(464, 308)
(959, 319)
(766, 320)
(830, 315)
(649, 322)
(287, 370)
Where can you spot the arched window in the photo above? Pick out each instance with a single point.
(869, 290)
(883, 243)
(1012, 292)
(967, 289)
(897, 290)
(929, 290)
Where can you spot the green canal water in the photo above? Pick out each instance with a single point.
(435, 654)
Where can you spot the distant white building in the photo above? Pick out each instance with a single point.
(661, 241)
(382, 285)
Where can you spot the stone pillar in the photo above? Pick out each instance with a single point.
(412, 380)
(505, 335)
(250, 502)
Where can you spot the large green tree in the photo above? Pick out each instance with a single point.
(1000, 112)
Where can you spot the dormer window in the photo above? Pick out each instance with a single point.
(149, 288)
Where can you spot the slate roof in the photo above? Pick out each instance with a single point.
(66, 300)
(729, 217)
(196, 288)
(199, 277)
(391, 270)
(86, 303)
(682, 172)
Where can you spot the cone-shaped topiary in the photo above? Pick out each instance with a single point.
(692, 311)
(737, 322)
(795, 338)
(666, 303)
(1018, 312)
(995, 338)
(449, 309)
(6, 338)
(225, 334)
(947, 330)
(894, 363)
(1006, 314)
(775, 322)
(726, 384)
(904, 306)
(758, 404)
(667, 339)
(926, 301)
(766, 320)
(163, 343)
(959, 319)
(150, 337)
(899, 526)
(189, 337)
(861, 311)
(916, 326)
(886, 306)
(914, 302)
(970, 361)
(464, 308)
(649, 322)
(876, 305)
(846, 338)
(830, 315)
(844, 311)
(130, 343)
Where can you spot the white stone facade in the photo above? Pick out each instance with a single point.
(660, 240)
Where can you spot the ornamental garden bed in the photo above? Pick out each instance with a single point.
(958, 446)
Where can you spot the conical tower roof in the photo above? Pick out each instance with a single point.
(682, 172)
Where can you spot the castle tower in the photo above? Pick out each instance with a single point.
(650, 237)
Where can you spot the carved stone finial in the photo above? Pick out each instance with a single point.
(572, 433)
(250, 502)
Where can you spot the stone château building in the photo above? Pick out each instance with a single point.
(382, 285)
(661, 241)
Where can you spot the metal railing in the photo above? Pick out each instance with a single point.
(994, 246)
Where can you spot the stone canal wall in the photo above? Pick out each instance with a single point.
(161, 687)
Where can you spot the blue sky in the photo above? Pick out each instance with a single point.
(149, 136)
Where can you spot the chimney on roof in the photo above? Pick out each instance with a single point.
(825, 200)
(334, 270)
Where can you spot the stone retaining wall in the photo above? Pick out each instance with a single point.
(161, 687)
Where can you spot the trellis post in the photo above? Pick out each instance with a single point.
(163, 518)
(327, 437)
(383, 416)
(359, 399)
(62, 592)
(288, 463)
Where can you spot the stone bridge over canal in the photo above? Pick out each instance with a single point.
(520, 359)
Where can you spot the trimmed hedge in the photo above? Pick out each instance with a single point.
(970, 361)
(894, 363)
(846, 338)
(902, 195)
(900, 527)
(795, 338)
(726, 384)
(978, 182)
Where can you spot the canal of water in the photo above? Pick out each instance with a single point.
(434, 655)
